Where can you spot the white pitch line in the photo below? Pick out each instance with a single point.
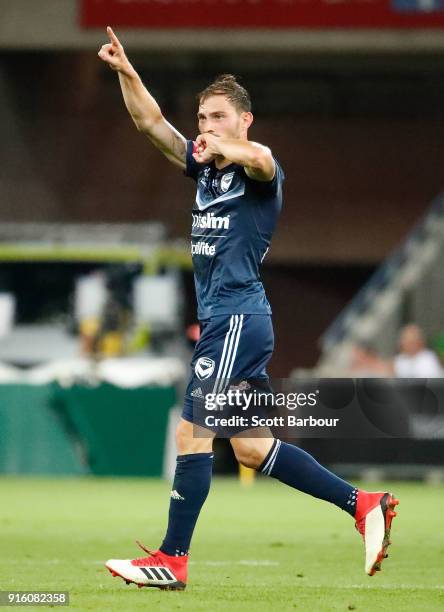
(240, 562)
(250, 562)
(32, 561)
(377, 587)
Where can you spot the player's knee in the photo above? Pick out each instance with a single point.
(184, 437)
(186, 443)
(249, 451)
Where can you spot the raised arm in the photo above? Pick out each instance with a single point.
(142, 107)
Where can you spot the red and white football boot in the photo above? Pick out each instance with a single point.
(157, 570)
(374, 515)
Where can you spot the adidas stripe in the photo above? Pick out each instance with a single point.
(229, 352)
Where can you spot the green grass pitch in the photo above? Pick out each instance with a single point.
(259, 548)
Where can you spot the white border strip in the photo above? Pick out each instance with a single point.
(272, 459)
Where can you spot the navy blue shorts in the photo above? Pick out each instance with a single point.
(236, 347)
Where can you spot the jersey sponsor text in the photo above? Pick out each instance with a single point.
(203, 248)
(210, 221)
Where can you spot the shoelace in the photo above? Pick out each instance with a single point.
(147, 550)
(152, 559)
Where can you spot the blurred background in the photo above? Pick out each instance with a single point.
(97, 306)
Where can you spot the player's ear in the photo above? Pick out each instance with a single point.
(247, 119)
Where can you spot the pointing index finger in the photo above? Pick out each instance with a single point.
(113, 38)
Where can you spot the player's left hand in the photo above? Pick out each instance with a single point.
(206, 148)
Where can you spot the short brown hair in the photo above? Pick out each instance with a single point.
(227, 85)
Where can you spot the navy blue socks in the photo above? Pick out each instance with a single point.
(289, 464)
(296, 468)
(190, 489)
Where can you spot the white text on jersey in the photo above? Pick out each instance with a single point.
(210, 221)
(203, 248)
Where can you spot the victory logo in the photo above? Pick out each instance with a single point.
(225, 181)
(204, 368)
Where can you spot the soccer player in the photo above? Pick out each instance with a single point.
(238, 201)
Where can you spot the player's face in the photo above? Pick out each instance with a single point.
(220, 117)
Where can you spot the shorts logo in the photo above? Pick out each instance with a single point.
(197, 393)
(225, 181)
(204, 368)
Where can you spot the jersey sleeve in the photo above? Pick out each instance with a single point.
(192, 167)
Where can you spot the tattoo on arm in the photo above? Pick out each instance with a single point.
(169, 141)
(178, 146)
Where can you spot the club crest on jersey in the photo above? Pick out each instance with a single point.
(204, 368)
(225, 181)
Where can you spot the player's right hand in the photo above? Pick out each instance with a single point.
(114, 55)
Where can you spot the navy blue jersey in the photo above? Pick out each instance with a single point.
(234, 218)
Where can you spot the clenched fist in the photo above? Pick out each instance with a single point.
(114, 54)
(205, 148)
